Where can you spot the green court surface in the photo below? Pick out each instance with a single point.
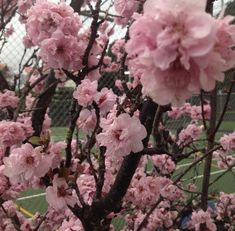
(33, 201)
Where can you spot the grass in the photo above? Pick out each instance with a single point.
(225, 183)
(228, 126)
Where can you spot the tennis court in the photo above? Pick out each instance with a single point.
(33, 201)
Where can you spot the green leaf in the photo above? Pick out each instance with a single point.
(35, 140)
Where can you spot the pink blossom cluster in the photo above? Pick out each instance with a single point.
(118, 49)
(52, 220)
(171, 192)
(161, 218)
(24, 163)
(228, 142)
(224, 160)
(180, 49)
(113, 64)
(26, 124)
(8, 99)
(125, 10)
(72, 224)
(225, 208)
(9, 31)
(6, 223)
(202, 217)
(34, 77)
(145, 190)
(85, 92)
(87, 120)
(11, 133)
(193, 111)
(54, 28)
(55, 153)
(59, 195)
(191, 133)
(24, 5)
(105, 100)
(8, 191)
(163, 163)
(123, 136)
(44, 18)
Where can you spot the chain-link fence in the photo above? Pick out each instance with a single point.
(60, 107)
(12, 54)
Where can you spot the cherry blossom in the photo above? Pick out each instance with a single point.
(123, 136)
(59, 195)
(177, 55)
(24, 163)
(85, 93)
(8, 99)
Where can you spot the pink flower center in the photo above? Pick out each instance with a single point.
(30, 160)
(60, 49)
(117, 134)
(61, 191)
(102, 99)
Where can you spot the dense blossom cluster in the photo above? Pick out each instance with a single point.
(187, 50)
(122, 136)
(192, 111)
(8, 99)
(54, 28)
(119, 161)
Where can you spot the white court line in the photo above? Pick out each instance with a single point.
(212, 173)
(196, 177)
(185, 165)
(32, 196)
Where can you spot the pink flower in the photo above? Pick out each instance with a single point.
(55, 153)
(180, 56)
(222, 56)
(144, 189)
(11, 133)
(86, 185)
(105, 100)
(9, 31)
(86, 92)
(196, 112)
(225, 207)
(34, 77)
(27, 42)
(86, 120)
(26, 124)
(164, 163)
(46, 124)
(71, 224)
(59, 74)
(202, 217)
(59, 195)
(189, 134)
(45, 17)
(171, 192)
(8, 99)
(228, 142)
(29, 103)
(123, 136)
(61, 51)
(125, 8)
(175, 113)
(24, 163)
(24, 5)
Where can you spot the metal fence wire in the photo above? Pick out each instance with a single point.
(60, 106)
